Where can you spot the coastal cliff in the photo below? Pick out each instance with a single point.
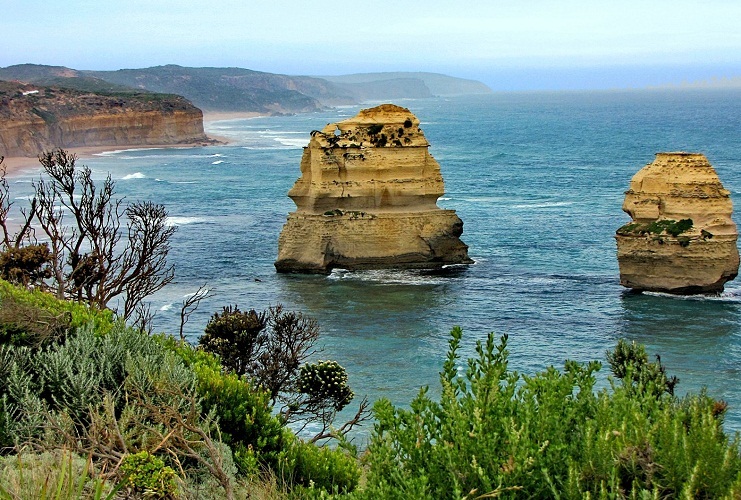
(682, 239)
(34, 119)
(367, 198)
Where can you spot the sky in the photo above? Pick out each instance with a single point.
(509, 45)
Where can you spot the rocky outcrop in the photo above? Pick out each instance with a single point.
(34, 119)
(682, 239)
(367, 198)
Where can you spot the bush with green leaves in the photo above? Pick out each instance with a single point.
(313, 468)
(325, 381)
(244, 411)
(270, 348)
(37, 317)
(496, 433)
(147, 474)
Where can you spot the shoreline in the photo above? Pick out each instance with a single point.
(216, 116)
(16, 164)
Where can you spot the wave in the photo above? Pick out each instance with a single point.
(119, 151)
(182, 221)
(396, 276)
(294, 143)
(731, 297)
(544, 205)
(136, 175)
(217, 162)
(167, 307)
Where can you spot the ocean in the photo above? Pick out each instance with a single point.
(538, 180)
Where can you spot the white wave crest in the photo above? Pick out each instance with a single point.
(294, 143)
(544, 205)
(136, 175)
(217, 162)
(166, 307)
(182, 221)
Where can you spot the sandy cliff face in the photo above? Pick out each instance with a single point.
(33, 120)
(367, 198)
(682, 239)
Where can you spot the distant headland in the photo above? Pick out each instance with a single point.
(43, 107)
(248, 91)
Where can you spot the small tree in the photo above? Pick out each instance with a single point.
(272, 347)
(87, 258)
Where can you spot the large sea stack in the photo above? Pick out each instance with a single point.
(367, 198)
(682, 239)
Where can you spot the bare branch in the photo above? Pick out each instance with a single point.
(190, 305)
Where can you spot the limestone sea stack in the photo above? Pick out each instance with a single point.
(682, 239)
(367, 199)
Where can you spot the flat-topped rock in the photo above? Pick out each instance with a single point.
(682, 239)
(367, 198)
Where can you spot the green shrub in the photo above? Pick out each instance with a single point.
(243, 411)
(78, 314)
(26, 265)
(325, 381)
(668, 226)
(147, 474)
(497, 433)
(305, 465)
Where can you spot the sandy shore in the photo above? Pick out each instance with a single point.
(16, 164)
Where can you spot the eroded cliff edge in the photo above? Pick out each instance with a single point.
(367, 198)
(682, 239)
(34, 119)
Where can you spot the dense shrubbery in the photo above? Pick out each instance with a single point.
(152, 411)
(497, 433)
(157, 417)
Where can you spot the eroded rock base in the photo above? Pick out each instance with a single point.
(312, 243)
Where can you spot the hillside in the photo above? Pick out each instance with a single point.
(436, 83)
(244, 90)
(34, 118)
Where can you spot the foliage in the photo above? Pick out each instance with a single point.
(325, 381)
(270, 347)
(497, 433)
(629, 363)
(658, 227)
(333, 470)
(244, 411)
(147, 474)
(57, 475)
(25, 265)
(36, 317)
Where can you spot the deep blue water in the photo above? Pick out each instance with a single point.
(537, 178)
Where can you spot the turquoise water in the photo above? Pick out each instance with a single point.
(538, 179)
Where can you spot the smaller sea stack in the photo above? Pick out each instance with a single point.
(367, 199)
(682, 239)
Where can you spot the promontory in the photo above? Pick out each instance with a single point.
(682, 239)
(35, 118)
(367, 198)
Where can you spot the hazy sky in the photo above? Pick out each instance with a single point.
(520, 44)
